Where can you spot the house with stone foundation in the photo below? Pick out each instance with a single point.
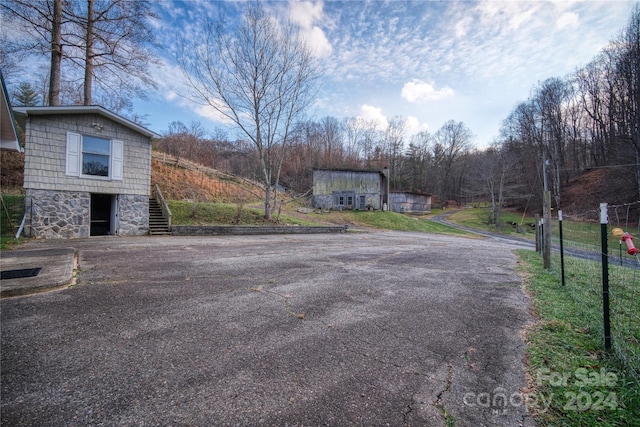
(87, 172)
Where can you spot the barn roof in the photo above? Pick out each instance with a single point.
(348, 170)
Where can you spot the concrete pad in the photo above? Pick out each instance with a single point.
(398, 329)
(57, 270)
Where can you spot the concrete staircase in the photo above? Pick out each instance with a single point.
(158, 224)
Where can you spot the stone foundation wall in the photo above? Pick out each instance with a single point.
(67, 214)
(57, 214)
(133, 212)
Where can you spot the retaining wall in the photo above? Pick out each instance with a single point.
(223, 230)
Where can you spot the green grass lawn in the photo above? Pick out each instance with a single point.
(10, 217)
(574, 382)
(479, 218)
(575, 233)
(398, 222)
(190, 213)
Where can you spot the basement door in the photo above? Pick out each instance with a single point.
(104, 214)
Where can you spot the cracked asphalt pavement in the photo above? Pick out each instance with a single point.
(372, 329)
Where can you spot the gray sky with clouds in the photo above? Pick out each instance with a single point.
(428, 61)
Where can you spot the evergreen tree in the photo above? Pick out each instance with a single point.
(25, 96)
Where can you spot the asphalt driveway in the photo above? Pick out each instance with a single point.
(373, 329)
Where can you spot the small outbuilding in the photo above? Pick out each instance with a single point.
(409, 202)
(350, 189)
(87, 172)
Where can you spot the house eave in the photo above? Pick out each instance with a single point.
(9, 136)
(24, 112)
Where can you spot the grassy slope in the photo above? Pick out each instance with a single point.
(189, 213)
(479, 218)
(559, 346)
(193, 213)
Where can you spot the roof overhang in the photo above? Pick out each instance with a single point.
(23, 112)
(376, 171)
(412, 193)
(9, 136)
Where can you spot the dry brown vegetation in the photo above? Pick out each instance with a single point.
(11, 172)
(184, 180)
(585, 192)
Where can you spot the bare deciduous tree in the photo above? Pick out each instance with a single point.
(453, 139)
(260, 76)
(101, 42)
(394, 139)
(42, 21)
(419, 159)
(109, 41)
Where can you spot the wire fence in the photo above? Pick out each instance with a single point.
(11, 212)
(584, 275)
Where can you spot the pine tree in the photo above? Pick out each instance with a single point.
(25, 96)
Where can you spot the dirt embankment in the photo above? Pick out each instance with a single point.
(182, 180)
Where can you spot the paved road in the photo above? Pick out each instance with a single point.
(387, 328)
(524, 243)
(591, 255)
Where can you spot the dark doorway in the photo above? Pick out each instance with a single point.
(363, 203)
(100, 214)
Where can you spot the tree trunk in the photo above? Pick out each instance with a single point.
(56, 54)
(88, 69)
(266, 172)
(267, 202)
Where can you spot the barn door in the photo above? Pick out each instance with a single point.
(363, 203)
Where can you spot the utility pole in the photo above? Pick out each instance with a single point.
(546, 214)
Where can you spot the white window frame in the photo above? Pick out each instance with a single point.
(74, 154)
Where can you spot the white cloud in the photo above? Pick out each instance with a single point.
(209, 112)
(420, 91)
(318, 41)
(567, 20)
(413, 125)
(522, 17)
(374, 114)
(306, 14)
(170, 95)
(462, 27)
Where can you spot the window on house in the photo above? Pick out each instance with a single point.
(96, 155)
(90, 156)
(341, 201)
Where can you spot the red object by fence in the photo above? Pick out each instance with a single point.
(628, 240)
